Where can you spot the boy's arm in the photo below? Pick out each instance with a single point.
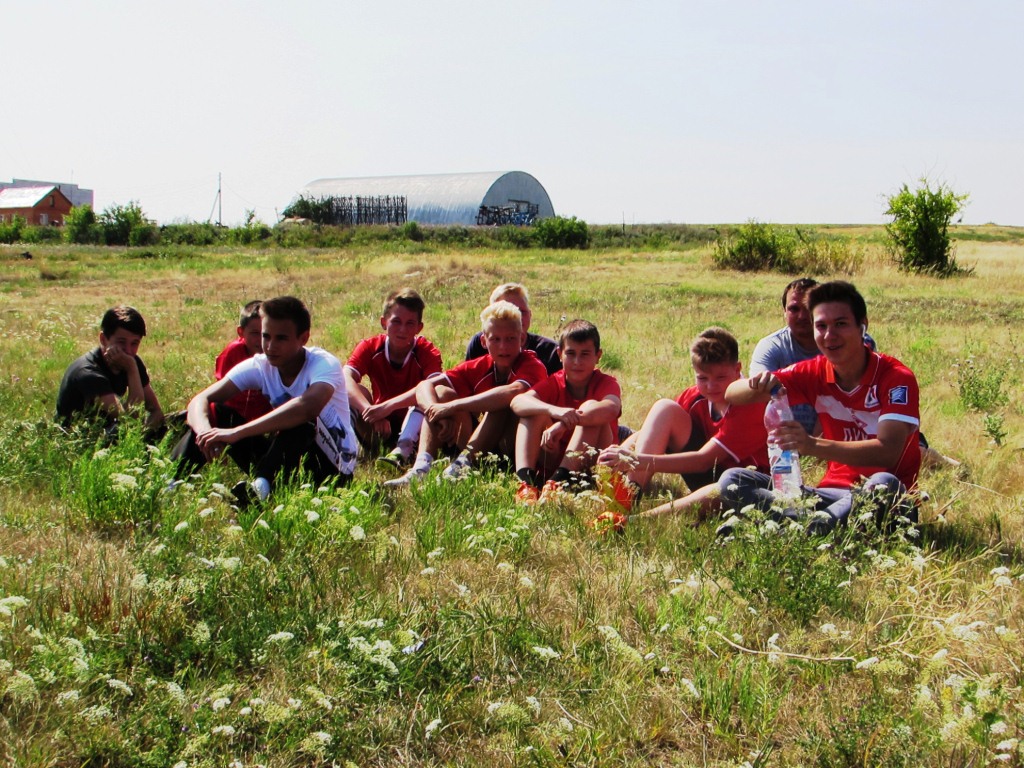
(155, 414)
(299, 410)
(882, 451)
(703, 459)
(381, 411)
(756, 389)
(599, 411)
(484, 402)
(357, 401)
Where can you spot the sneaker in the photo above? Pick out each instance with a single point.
(527, 494)
(392, 463)
(728, 528)
(609, 521)
(618, 491)
(412, 476)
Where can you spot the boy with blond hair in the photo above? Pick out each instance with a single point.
(484, 386)
(565, 416)
(699, 434)
(546, 349)
(394, 362)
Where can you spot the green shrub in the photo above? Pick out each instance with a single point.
(127, 225)
(46, 234)
(560, 232)
(80, 226)
(918, 233)
(190, 233)
(757, 246)
(10, 231)
(251, 232)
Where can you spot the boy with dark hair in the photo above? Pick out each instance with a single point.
(483, 386)
(98, 380)
(560, 418)
(546, 349)
(309, 424)
(698, 435)
(867, 404)
(395, 362)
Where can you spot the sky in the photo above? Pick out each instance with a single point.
(641, 112)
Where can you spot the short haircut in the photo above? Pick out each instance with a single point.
(250, 312)
(713, 346)
(510, 289)
(404, 297)
(801, 285)
(842, 292)
(125, 317)
(579, 331)
(501, 312)
(287, 308)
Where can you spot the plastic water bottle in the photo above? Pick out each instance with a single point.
(785, 464)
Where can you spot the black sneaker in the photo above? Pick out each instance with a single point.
(245, 495)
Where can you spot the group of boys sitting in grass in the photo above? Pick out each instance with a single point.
(279, 406)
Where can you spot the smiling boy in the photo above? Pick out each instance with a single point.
(309, 424)
(698, 435)
(112, 377)
(560, 418)
(395, 362)
(867, 405)
(483, 386)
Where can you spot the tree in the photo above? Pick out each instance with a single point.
(80, 226)
(918, 234)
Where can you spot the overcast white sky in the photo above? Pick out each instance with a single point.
(647, 111)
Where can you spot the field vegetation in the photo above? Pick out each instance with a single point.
(447, 626)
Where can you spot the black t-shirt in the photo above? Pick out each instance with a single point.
(546, 350)
(89, 378)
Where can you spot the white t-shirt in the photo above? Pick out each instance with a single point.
(320, 366)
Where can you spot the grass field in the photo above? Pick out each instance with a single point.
(447, 626)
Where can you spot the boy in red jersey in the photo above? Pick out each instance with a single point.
(560, 418)
(867, 405)
(250, 404)
(395, 362)
(699, 435)
(483, 386)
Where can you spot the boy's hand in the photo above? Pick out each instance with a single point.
(212, 442)
(117, 359)
(438, 412)
(764, 381)
(376, 413)
(791, 436)
(570, 417)
(551, 437)
(617, 458)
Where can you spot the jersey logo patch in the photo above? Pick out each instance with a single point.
(898, 395)
(871, 398)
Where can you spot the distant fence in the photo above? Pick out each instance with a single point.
(369, 210)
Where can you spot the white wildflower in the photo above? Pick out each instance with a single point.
(546, 653)
(181, 526)
(119, 686)
(435, 553)
(998, 727)
(67, 697)
(505, 567)
(9, 605)
(1003, 581)
(689, 688)
(356, 533)
(1001, 570)
(279, 637)
(221, 703)
(278, 509)
(940, 654)
(227, 731)
(123, 482)
(534, 705)
(312, 516)
(428, 571)
(463, 590)
(1007, 746)
(526, 581)
(866, 663)
(206, 511)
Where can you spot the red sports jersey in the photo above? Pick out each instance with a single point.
(739, 431)
(475, 376)
(888, 390)
(250, 404)
(553, 392)
(370, 358)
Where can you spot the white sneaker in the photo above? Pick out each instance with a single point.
(412, 476)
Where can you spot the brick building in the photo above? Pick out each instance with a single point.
(38, 206)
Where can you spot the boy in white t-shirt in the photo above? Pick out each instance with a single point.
(309, 424)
